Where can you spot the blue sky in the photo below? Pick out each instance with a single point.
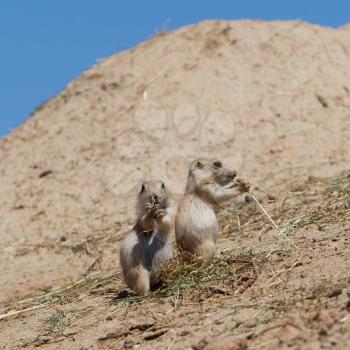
(46, 44)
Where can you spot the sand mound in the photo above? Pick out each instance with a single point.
(271, 99)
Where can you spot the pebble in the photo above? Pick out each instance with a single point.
(248, 198)
(335, 293)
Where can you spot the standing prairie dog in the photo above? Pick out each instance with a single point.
(196, 224)
(148, 245)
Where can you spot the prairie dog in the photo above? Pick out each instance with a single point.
(148, 245)
(196, 224)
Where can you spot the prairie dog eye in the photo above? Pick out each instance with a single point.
(199, 165)
(217, 164)
(143, 188)
(163, 186)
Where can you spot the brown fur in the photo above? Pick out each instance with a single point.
(148, 245)
(196, 224)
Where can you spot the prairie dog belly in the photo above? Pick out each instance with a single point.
(196, 224)
(203, 217)
(159, 251)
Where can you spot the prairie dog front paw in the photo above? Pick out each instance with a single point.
(159, 213)
(148, 207)
(243, 186)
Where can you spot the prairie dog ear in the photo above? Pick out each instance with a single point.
(143, 187)
(199, 165)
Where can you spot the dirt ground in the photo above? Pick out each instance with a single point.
(272, 100)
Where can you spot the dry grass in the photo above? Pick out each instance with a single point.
(332, 193)
(296, 209)
(56, 323)
(179, 275)
(59, 295)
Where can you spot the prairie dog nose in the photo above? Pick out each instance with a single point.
(232, 174)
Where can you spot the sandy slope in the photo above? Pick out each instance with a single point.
(270, 99)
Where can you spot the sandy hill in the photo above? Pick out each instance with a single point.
(270, 99)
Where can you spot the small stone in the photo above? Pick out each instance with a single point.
(45, 173)
(326, 344)
(250, 324)
(335, 293)
(184, 332)
(128, 344)
(69, 332)
(322, 332)
(225, 344)
(248, 198)
(63, 238)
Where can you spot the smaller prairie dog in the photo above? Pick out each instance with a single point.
(148, 245)
(196, 224)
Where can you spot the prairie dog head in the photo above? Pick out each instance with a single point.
(208, 171)
(153, 192)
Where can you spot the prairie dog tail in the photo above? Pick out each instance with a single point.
(138, 279)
